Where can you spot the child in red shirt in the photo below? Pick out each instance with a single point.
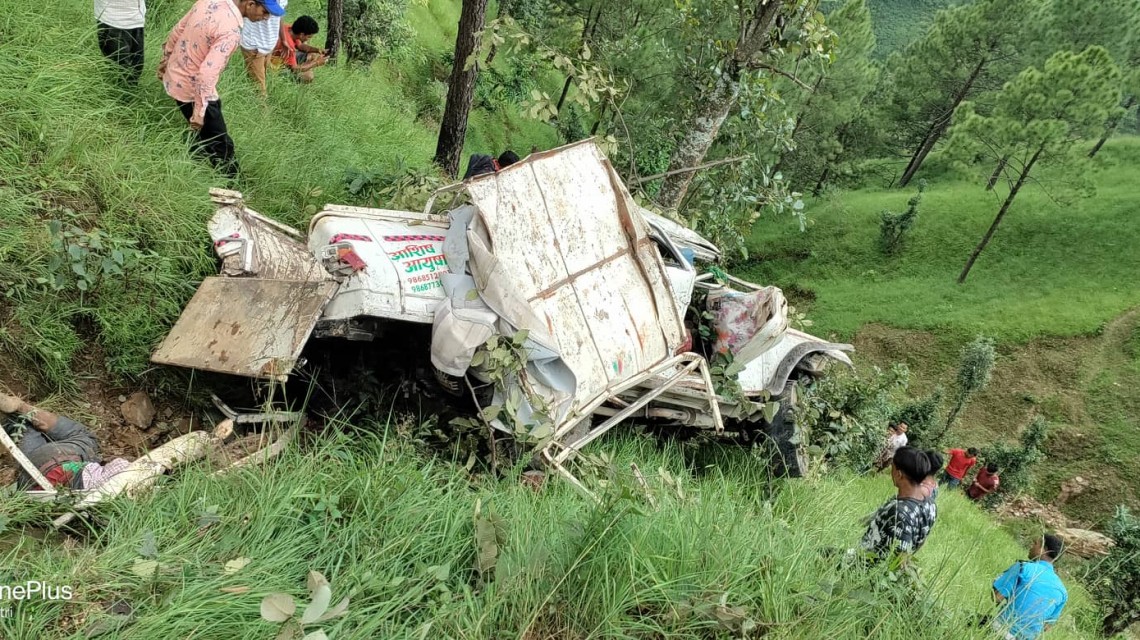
(986, 483)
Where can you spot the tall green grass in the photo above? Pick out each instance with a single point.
(721, 545)
(1051, 270)
(74, 147)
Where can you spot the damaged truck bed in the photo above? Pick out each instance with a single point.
(552, 254)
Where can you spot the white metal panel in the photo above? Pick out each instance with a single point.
(569, 240)
(404, 262)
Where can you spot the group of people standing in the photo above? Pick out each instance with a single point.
(1030, 593)
(199, 48)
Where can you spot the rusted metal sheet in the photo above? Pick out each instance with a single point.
(566, 239)
(246, 326)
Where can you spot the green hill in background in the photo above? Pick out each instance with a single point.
(898, 22)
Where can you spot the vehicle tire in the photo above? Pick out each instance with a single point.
(792, 459)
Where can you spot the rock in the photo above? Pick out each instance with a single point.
(183, 426)
(138, 410)
(1084, 543)
(122, 398)
(1072, 488)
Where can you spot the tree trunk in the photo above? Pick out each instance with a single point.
(598, 122)
(822, 181)
(1112, 127)
(565, 90)
(702, 132)
(939, 126)
(996, 175)
(1001, 214)
(704, 124)
(461, 87)
(335, 28)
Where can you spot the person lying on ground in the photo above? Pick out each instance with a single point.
(258, 40)
(1031, 592)
(193, 58)
(119, 30)
(985, 483)
(896, 439)
(961, 461)
(294, 51)
(480, 164)
(903, 523)
(63, 450)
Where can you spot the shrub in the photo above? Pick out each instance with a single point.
(975, 367)
(373, 26)
(842, 417)
(1117, 582)
(923, 418)
(1015, 461)
(894, 228)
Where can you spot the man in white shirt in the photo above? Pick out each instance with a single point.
(258, 39)
(119, 24)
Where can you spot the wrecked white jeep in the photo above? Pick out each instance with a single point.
(549, 258)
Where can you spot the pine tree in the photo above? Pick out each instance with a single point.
(969, 49)
(1112, 24)
(1037, 120)
(837, 95)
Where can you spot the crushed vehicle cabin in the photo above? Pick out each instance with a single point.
(545, 278)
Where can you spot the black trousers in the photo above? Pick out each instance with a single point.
(212, 140)
(124, 47)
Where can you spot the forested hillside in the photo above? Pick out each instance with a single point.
(949, 186)
(898, 22)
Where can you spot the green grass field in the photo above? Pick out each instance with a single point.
(722, 547)
(1051, 269)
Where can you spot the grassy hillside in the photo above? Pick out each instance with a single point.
(1051, 270)
(722, 548)
(1054, 287)
(77, 151)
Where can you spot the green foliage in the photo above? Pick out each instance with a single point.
(923, 417)
(835, 98)
(894, 228)
(1015, 461)
(85, 258)
(967, 49)
(402, 188)
(975, 367)
(844, 417)
(1039, 116)
(1116, 579)
(900, 22)
(375, 26)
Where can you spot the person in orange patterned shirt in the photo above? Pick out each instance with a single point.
(193, 58)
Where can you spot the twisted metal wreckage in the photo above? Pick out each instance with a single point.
(554, 246)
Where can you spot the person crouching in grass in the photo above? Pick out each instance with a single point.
(900, 527)
(294, 51)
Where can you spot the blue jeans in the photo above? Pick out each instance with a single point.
(950, 481)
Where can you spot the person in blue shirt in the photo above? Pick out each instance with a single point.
(1032, 594)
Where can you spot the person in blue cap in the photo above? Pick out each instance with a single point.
(193, 58)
